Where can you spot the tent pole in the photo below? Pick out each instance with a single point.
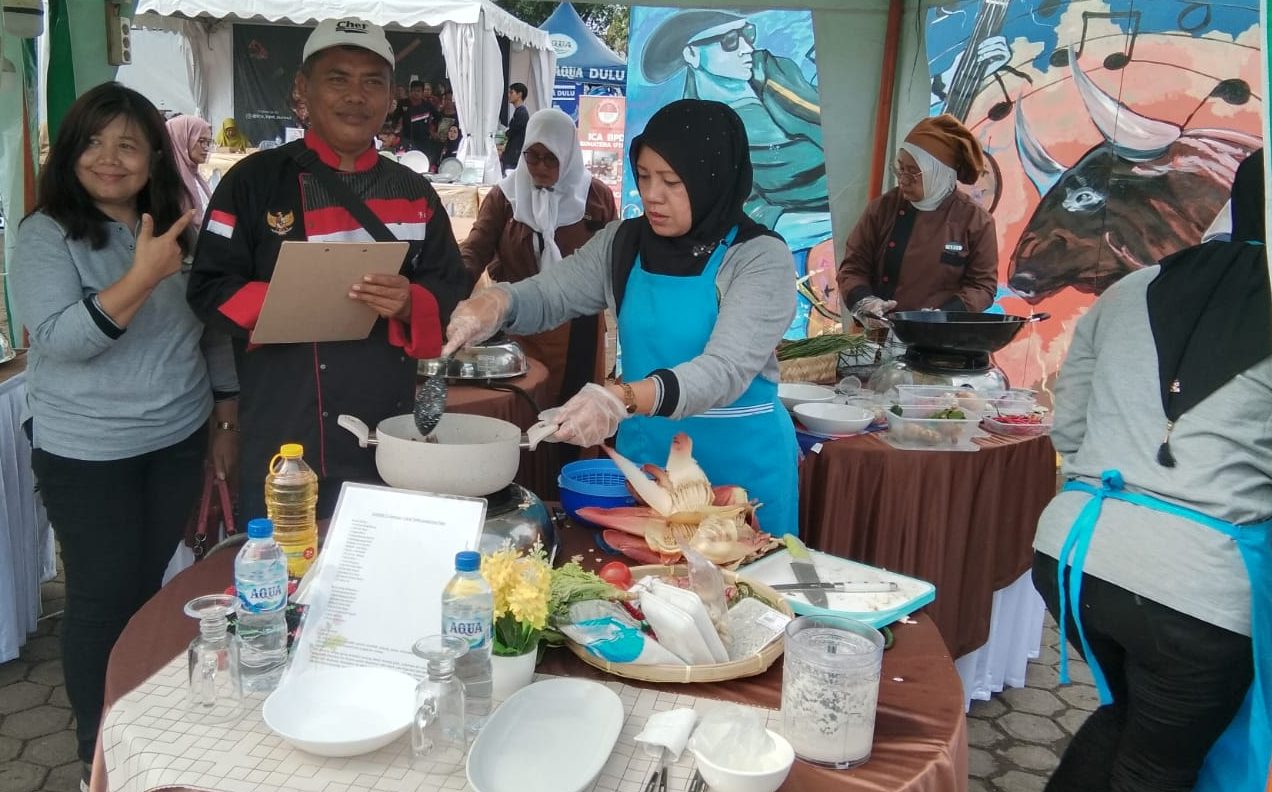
(887, 91)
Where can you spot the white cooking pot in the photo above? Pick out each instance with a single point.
(466, 455)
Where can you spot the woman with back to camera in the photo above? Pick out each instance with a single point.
(119, 390)
(702, 294)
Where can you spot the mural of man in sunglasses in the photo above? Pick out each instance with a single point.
(779, 106)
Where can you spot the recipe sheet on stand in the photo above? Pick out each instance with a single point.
(388, 555)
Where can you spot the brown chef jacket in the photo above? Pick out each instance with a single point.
(508, 250)
(946, 258)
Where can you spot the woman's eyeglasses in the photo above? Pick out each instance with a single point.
(906, 174)
(729, 41)
(534, 159)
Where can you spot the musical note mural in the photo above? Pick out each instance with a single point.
(763, 65)
(1112, 130)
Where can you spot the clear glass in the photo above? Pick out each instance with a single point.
(215, 692)
(438, 736)
(830, 689)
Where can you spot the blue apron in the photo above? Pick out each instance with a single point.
(1239, 759)
(667, 320)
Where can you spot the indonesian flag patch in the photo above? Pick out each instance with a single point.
(221, 223)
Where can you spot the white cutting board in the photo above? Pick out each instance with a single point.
(877, 609)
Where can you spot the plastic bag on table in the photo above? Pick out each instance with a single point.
(707, 581)
(606, 630)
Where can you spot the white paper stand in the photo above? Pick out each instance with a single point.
(387, 557)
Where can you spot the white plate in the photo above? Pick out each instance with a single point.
(342, 711)
(450, 167)
(552, 736)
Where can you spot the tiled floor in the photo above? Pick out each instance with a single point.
(1014, 740)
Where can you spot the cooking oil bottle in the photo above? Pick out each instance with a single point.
(291, 498)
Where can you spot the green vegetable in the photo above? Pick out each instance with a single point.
(826, 344)
(572, 583)
(950, 414)
(895, 409)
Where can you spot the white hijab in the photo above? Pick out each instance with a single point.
(546, 210)
(939, 179)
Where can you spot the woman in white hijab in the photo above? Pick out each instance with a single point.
(540, 213)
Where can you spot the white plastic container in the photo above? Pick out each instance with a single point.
(915, 429)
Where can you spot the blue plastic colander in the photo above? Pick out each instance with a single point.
(592, 482)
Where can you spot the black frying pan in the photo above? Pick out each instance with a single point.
(962, 331)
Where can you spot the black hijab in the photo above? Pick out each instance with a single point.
(1210, 309)
(706, 145)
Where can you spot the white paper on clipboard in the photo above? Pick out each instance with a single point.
(308, 297)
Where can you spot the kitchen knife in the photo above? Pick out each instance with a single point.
(843, 587)
(805, 571)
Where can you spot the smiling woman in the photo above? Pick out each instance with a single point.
(122, 376)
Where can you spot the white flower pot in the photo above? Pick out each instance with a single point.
(510, 674)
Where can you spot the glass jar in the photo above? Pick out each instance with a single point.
(830, 689)
(215, 693)
(438, 735)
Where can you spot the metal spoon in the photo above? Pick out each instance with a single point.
(430, 399)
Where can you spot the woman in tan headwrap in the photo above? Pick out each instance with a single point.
(229, 138)
(924, 244)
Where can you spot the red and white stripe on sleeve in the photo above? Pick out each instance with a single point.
(221, 223)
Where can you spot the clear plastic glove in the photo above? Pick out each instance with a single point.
(476, 319)
(872, 305)
(592, 415)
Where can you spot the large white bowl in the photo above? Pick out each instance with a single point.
(342, 711)
(796, 393)
(723, 779)
(834, 419)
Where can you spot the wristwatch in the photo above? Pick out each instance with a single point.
(226, 426)
(629, 398)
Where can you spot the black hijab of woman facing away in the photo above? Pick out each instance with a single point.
(706, 145)
(1210, 309)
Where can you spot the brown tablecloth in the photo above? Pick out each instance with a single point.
(517, 401)
(963, 521)
(920, 733)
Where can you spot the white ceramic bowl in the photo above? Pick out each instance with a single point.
(834, 419)
(723, 779)
(796, 393)
(342, 711)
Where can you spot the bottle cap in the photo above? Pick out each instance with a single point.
(260, 528)
(467, 561)
(291, 450)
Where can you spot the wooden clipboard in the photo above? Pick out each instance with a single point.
(308, 297)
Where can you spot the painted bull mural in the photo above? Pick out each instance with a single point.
(1150, 189)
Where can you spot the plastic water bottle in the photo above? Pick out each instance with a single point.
(291, 497)
(260, 580)
(468, 609)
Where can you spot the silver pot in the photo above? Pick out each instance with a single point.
(503, 360)
(517, 515)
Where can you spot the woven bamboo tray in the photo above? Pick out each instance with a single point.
(820, 369)
(716, 672)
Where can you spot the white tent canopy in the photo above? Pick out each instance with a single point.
(467, 29)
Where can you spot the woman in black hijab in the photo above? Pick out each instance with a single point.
(702, 294)
(1155, 558)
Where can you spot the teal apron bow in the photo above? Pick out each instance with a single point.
(1239, 760)
(667, 320)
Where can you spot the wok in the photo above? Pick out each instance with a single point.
(962, 331)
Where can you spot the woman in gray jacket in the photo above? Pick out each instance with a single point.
(120, 387)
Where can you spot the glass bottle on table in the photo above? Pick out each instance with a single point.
(438, 734)
(215, 692)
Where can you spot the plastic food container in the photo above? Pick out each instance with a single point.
(592, 482)
(1017, 429)
(936, 433)
(941, 396)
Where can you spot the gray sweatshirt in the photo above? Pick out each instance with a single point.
(1109, 416)
(756, 290)
(95, 392)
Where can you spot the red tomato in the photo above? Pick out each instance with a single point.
(617, 574)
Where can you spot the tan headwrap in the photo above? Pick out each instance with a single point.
(952, 144)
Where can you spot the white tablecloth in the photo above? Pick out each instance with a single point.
(26, 540)
(1015, 638)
